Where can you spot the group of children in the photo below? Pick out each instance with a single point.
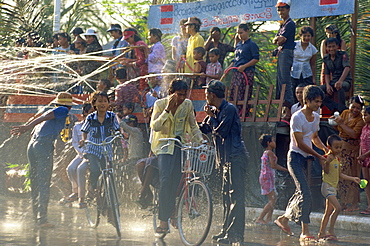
(331, 173)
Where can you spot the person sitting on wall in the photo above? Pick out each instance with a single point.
(336, 63)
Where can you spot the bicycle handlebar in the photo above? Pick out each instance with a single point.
(105, 142)
(178, 141)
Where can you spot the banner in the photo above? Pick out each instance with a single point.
(228, 13)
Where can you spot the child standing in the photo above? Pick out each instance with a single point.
(157, 55)
(267, 176)
(200, 66)
(365, 155)
(330, 177)
(100, 125)
(214, 68)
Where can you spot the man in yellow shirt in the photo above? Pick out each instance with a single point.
(195, 40)
(172, 117)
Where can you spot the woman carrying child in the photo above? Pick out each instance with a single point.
(97, 127)
(267, 177)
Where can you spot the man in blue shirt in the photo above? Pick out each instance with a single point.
(285, 53)
(223, 121)
(46, 129)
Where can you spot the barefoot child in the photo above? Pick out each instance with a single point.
(267, 176)
(364, 157)
(330, 177)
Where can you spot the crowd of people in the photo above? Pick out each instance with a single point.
(172, 116)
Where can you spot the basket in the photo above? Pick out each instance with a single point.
(198, 159)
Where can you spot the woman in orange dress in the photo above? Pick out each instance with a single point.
(350, 125)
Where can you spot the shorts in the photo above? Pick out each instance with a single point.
(328, 190)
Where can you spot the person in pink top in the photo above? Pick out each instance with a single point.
(138, 58)
(364, 157)
(267, 177)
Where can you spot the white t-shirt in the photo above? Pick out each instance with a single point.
(299, 123)
(301, 60)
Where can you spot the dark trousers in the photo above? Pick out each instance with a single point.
(233, 196)
(40, 156)
(284, 65)
(328, 100)
(96, 165)
(169, 178)
(299, 205)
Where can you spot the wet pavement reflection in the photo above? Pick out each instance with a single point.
(71, 228)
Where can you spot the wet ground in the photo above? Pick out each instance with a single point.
(71, 228)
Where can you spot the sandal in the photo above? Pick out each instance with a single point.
(161, 232)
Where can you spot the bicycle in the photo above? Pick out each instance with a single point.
(105, 200)
(194, 207)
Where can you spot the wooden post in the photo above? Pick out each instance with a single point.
(313, 41)
(352, 58)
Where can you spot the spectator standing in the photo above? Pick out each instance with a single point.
(125, 92)
(304, 59)
(46, 129)
(246, 57)
(364, 157)
(195, 40)
(115, 31)
(173, 116)
(213, 41)
(137, 58)
(304, 126)
(157, 54)
(285, 53)
(93, 46)
(135, 140)
(76, 35)
(64, 44)
(200, 66)
(350, 124)
(179, 44)
(337, 76)
(223, 121)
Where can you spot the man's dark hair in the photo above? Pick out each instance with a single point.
(129, 105)
(332, 138)
(306, 29)
(197, 26)
(215, 28)
(244, 26)
(86, 107)
(121, 73)
(156, 32)
(331, 40)
(177, 85)
(106, 82)
(214, 51)
(200, 50)
(301, 85)
(311, 92)
(65, 35)
(265, 139)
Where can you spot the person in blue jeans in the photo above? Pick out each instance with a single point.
(46, 129)
(304, 127)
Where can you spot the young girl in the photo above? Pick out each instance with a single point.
(365, 155)
(214, 68)
(330, 177)
(100, 125)
(267, 177)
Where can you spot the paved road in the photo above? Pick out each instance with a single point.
(16, 228)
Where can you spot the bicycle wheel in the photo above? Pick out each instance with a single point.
(194, 213)
(114, 204)
(95, 206)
